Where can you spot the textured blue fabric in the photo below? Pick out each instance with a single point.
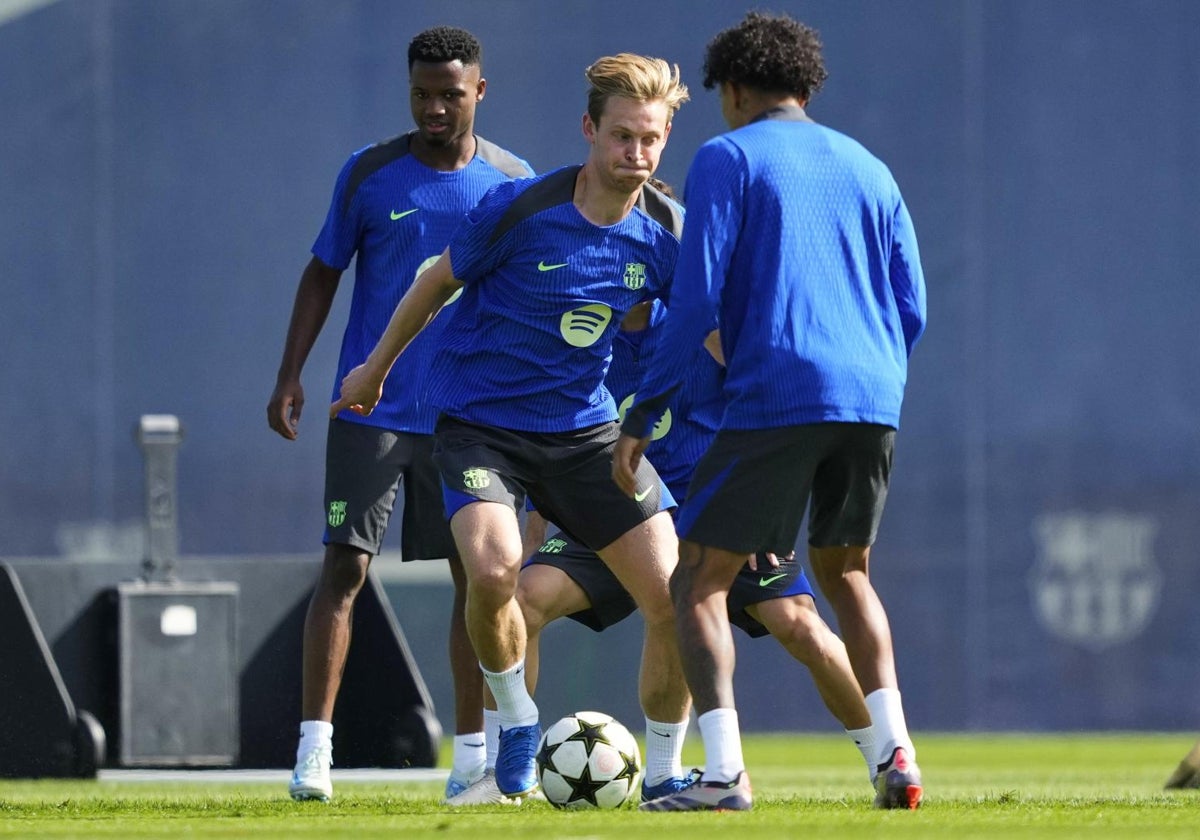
(694, 415)
(798, 241)
(544, 292)
(396, 216)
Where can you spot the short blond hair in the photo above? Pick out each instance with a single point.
(637, 77)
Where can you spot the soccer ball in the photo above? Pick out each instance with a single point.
(588, 760)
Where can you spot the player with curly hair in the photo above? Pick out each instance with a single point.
(799, 247)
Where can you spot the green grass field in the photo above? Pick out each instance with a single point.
(805, 786)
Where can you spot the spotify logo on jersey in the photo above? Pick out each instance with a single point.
(582, 327)
(660, 428)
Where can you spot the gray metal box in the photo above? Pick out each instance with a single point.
(178, 679)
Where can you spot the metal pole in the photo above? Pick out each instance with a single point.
(159, 436)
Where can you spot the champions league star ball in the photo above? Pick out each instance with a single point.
(588, 760)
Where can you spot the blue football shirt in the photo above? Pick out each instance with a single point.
(692, 419)
(396, 215)
(529, 343)
(800, 244)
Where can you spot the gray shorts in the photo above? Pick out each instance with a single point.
(751, 488)
(567, 475)
(610, 603)
(364, 466)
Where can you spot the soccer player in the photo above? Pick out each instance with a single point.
(799, 247)
(394, 205)
(548, 268)
(565, 578)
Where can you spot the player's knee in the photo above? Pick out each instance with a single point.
(493, 585)
(658, 614)
(795, 623)
(806, 643)
(344, 571)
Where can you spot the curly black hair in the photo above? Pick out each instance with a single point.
(774, 54)
(445, 43)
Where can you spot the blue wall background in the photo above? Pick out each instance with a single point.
(165, 166)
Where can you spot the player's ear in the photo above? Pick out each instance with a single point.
(589, 128)
(480, 89)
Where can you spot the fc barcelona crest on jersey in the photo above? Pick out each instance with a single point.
(635, 275)
(476, 478)
(337, 513)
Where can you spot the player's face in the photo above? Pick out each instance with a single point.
(628, 141)
(443, 97)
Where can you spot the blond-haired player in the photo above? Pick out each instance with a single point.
(548, 267)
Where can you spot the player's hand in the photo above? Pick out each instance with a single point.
(773, 559)
(361, 391)
(627, 456)
(284, 408)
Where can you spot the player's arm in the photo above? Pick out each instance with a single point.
(709, 238)
(314, 298)
(627, 456)
(363, 386)
(907, 277)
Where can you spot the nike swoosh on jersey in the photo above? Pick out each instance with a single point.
(396, 215)
(637, 497)
(767, 581)
(543, 267)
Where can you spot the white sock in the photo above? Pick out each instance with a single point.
(664, 750)
(722, 745)
(469, 754)
(864, 739)
(887, 718)
(313, 734)
(491, 736)
(513, 702)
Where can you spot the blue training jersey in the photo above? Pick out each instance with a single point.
(396, 215)
(799, 242)
(690, 423)
(529, 343)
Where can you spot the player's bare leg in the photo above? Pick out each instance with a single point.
(642, 559)
(489, 542)
(327, 626)
(544, 594)
(464, 665)
(488, 537)
(842, 572)
(470, 752)
(699, 589)
(797, 625)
